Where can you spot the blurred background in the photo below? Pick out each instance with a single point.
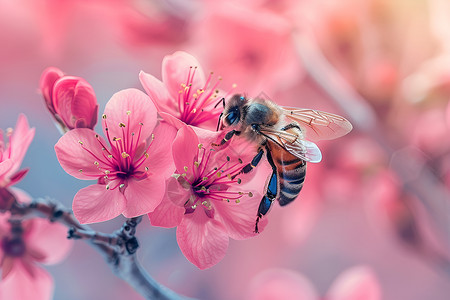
(379, 198)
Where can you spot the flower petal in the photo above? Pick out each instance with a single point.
(175, 71)
(158, 93)
(240, 218)
(202, 240)
(75, 156)
(185, 150)
(5, 166)
(132, 108)
(20, 140)
(143, 196)
(167, 214)
(84, 105)
(354, 284)
(48, 239)
(170, 119)
(20, 285)
(97, 204)
(48, 79)
(160, 160)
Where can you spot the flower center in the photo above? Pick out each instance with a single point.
(198, 106)
(125, 158)
(213, 183)
(14, 247)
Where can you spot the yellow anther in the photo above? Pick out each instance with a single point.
(128, 112)
(125, 155)
(185, 168)
(110, 156)
(107, 172)
(194, 110)
(121, 124)
(153, 136)
(250, 194)
(103, 116)
(200, 146)
(96, 163)
(146, 155)
(218, 174)
(196, 163)
(80, 142)
(121, 185)
(237, 200)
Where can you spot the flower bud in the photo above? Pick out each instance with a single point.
(70, 99)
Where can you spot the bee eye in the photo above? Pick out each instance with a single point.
(242, 98)
(232, 117)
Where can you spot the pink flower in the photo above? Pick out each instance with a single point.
(207, 199)
(25, 245)
(185, 93)
(357, 283)
(70, 99)
(13, 152)
(130, 173)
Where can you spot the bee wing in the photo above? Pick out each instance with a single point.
(319, 125)
(305, 150)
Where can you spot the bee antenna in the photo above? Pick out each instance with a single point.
(221, 100)
(218, 122)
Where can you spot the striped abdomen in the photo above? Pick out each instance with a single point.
(290, 170)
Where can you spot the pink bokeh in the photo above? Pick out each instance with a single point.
(380, 195)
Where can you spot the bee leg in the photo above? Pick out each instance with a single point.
(264, 207)
(248, 167)
(227, 137)
(268, 198)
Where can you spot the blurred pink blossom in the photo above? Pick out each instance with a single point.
(208, 199)
(13, 152)
(356, 283)
(253, 48)
(131, 172)
(185, 92)
(70, 99)
(23, 246)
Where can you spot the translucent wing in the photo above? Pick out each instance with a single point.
(319, 125)
(293, 143)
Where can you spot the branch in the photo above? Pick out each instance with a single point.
(118, 249)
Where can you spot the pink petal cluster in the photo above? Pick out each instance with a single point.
(131, 171)
(184, 93)
(25, 245)
(207, 198)
(356, 283)
(70, 99)
(12, 152)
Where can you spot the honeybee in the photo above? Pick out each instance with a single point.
(282, 133)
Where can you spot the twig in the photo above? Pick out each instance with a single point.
(118, 249)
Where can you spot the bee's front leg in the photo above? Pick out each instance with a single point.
(227, 137)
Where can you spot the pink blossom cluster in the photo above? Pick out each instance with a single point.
(157, 158)
(24, 245)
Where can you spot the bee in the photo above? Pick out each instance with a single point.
(283, 133)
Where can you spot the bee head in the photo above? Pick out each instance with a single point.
(233, 116)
